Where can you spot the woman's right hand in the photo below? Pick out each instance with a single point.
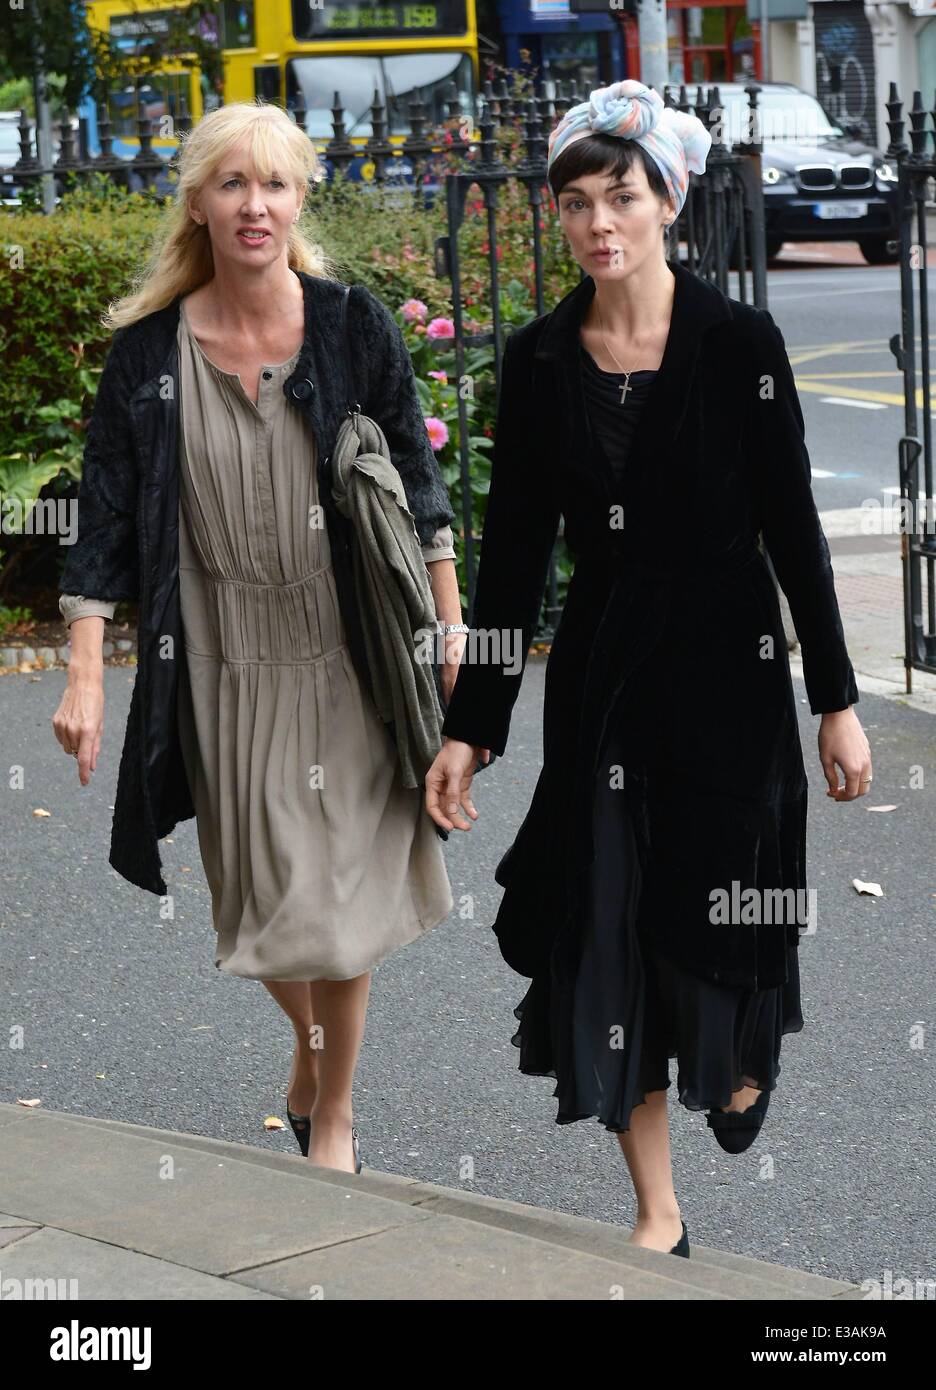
(79, 720)
(448, 783)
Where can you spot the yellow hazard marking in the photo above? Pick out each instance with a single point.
(829, 383)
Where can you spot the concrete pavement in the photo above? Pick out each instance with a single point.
(109, 1210)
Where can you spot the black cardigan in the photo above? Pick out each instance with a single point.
(128, 512)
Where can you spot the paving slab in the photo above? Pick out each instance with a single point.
(58, 1264)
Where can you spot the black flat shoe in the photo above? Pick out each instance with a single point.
(302, 1129)
(736, 1130)
(682, 1245)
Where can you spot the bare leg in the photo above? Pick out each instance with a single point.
(340, 1008)
(742, 1100)
(646, 1148)
(295, 999)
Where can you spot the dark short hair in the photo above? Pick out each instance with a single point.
(603, 154)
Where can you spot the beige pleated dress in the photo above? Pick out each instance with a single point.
(320, 862)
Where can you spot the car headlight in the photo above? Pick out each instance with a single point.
(771, 174)
(887, 173)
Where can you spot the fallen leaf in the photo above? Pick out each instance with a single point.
(39, 812)
(100, 1076)
(28, 1102)
(874, 888)
(273, 1122)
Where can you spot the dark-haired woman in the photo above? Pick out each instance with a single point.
(655, 892)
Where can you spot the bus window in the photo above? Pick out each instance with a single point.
(157, 98)
(394, 76)
(237, 24)
(267, 81)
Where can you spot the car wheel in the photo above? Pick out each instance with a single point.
(774, 244)
(875, 252)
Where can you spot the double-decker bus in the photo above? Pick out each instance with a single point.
(296, 52)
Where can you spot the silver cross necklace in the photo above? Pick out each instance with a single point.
(627, 375)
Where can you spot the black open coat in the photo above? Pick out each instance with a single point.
(128, 520)
(671, 624)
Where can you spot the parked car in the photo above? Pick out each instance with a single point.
(9, 153)
(822, 181)
(11, 186)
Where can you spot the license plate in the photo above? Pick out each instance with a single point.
(840, 209)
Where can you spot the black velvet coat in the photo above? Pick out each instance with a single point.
(671, 626)
(128, 521)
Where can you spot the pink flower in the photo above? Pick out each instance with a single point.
(438, 432)
(441, 328)
(440, 376)
(414, 311)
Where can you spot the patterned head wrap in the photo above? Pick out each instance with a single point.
(675, 140)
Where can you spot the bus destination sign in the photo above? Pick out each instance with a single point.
(359, 20)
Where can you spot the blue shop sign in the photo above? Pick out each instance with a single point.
(523, 16)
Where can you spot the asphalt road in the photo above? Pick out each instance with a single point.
(125, 1015)
(837, 316)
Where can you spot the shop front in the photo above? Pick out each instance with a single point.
(545, 35)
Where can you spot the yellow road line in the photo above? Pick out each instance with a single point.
(817, 388)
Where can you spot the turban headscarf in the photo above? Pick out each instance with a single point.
(674, 140)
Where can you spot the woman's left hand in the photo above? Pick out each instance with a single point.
(454, 647)
(842, 742)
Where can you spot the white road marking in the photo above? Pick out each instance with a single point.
(830, 294)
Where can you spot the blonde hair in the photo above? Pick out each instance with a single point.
(182, 258)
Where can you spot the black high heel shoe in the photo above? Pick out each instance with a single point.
(302, 1129)
(682, 1245)
(736, 1130)
(301, 1124)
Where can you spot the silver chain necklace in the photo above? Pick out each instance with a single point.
(627, 375)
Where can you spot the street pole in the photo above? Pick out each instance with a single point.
(765, 40)
(43, 113)
(654, 53)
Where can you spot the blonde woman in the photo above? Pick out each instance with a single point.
(206, 496)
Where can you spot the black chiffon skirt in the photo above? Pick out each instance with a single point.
(606, 1021)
